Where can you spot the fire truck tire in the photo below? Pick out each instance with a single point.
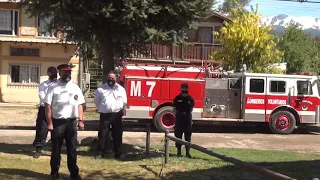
(165, 119)
(282, 122)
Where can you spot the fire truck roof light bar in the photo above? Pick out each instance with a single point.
(167, 78)
(186, 69)
(163, 65)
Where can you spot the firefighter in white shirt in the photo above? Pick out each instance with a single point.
(41, 123)
(64, 102)
(110, 99)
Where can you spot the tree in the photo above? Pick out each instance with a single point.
(316, 42)
(244, 41)
(113, 27)
(228, 5)
(299, 49)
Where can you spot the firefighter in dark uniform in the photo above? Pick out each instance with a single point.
(41, 123)
(64, 112)
(183, 105)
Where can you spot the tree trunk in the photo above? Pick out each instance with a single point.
(108, 61)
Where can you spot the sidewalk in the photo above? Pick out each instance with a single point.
(8, 105)
(27, 137)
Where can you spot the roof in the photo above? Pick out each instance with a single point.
(33, 40)
(225, 17)
(219, 15)
(14, 1)
(273, 75)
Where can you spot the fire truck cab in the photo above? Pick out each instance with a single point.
(282, 101)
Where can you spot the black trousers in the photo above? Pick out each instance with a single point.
(41, 128)
(113, 122)
(183, 126)
(64, 129)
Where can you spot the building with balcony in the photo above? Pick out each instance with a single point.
(200, 44)
(27, 49)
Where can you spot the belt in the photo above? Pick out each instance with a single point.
(111, 112)
(67, 119)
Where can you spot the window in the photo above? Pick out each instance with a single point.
(277, 86)
(43, 28)
(235, 83)
(304, 87)
(24, 51)
(8, 22)
(191, 34)
(256, 85)
(29, 74)
(205, 35)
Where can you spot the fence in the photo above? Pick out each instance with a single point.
(266, 172)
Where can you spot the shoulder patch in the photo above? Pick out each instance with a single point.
(76, 97)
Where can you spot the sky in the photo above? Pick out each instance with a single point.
(275, 7)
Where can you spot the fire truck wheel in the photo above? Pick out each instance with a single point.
(282, 122)
(165, 119)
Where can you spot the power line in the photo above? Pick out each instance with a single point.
(265, 4)
(286, 5)
(300, 1)
(305, 7)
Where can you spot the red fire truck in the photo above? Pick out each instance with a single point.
(282, 101)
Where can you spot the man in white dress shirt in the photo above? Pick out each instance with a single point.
(41, 123)
(110, 99)
(64, 112)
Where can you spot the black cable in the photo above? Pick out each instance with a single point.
(162, 159)
(300, 1)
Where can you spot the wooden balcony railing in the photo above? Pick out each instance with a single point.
(180, 52)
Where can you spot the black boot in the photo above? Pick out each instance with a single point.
(100, 155)
(179, 152)
(188, 152)
(118, 153)
(37, 154)
(54, 176)
(76, 178)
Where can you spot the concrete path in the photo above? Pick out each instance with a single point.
(292, 142)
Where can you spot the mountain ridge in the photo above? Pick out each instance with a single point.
(279, 22)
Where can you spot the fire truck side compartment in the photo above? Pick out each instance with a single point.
(216, 98)
(223, 98)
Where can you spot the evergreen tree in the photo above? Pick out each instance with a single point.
(113, 27)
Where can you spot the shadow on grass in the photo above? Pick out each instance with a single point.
(20, 174)
(301, 170)
(112, 176)
(178, 168)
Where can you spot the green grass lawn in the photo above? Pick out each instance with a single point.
(17, 163)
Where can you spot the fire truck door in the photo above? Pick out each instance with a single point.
(255, 99)
(305, 100)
